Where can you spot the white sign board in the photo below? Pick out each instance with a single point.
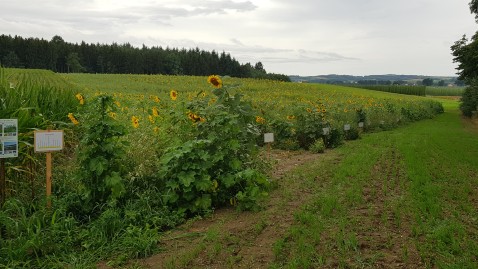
(360, 124)
(50, 140)
(347, 127)
(8, 138)
(326, 130)
(268, 137)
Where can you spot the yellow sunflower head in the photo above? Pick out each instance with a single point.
(135, 121)
(80, 98)
(260, 120)
(173, 94)
(73, 119)
(155, 112)
(215, 81)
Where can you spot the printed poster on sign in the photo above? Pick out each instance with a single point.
(48, 140)
(8, 138)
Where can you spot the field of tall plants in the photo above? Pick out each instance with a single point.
(144, 153)
(415, 89)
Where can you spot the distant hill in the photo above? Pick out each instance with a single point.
(372, 79)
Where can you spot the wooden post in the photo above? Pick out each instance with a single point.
(3, 184)
(48, 179)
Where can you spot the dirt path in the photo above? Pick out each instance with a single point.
(229, 239)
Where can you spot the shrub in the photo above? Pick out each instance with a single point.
(318, 146)
(100, 156)
(216, 166)
(469, 100)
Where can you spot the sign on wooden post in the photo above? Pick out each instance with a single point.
(346, 127)
(48, 141)
(8, 149)
(8, 138)
(268, 139)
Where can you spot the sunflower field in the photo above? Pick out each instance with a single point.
(145, 152)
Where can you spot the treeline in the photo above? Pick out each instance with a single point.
(64, 57)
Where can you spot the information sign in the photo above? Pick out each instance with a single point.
(8, 138)
(268, 137)
(49, 140)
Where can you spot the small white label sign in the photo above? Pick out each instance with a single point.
(346, 127)
(50, 140)
(326, 130)
(268, 137)
(360, 124)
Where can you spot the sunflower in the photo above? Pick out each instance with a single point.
(112, 114)
(260, 120)
(173, 94)
(215, 81)
(195, 118)
(290, 117)
(155, 112)
(135, 121)
(80, 98)
(156, 99)
(151, 118)
(73, 119)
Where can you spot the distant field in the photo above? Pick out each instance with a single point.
(445, 91)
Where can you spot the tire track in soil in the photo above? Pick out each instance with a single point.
(384, 235)
(241, 240)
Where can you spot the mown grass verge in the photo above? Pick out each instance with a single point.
(404, 198)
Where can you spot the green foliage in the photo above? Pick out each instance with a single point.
(60, 56)
(352, 134)
(309, 126)
(334, 138)
(445, 91)
(469, 101)
(401, 89)
(100, 155)
(216, 166)
(427, 81)
(318, 146)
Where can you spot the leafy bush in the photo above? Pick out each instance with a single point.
(335, 138)
(309, 126)
(216, 166)
(100, 156)
(318, 146)
(469, 100)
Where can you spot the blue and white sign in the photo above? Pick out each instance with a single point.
(8, 138)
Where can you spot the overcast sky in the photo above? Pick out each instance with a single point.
(293, 37)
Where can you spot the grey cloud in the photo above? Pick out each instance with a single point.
(253, 53)
(82, 15)
(303, 56)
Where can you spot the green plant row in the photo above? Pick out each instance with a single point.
(445, 91)
(400, 89)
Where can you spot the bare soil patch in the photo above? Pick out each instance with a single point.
(228, 238)
(385, 232)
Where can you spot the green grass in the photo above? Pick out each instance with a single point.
(405, 197)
